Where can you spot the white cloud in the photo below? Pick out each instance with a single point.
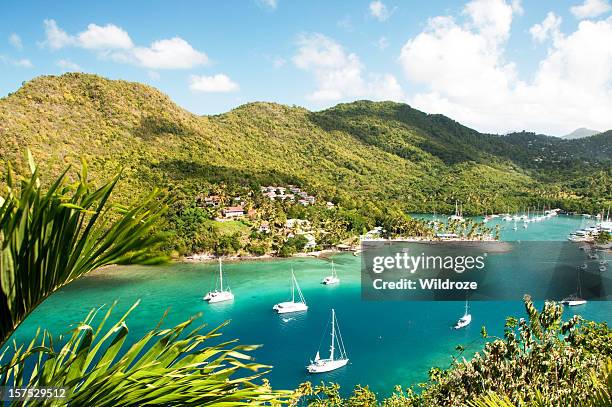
(517, 7)
(15, 41)
(379, 11)
(104, 38)
(114, 42)
(338, 74)
(68, 65)
(268, 4)
(464, 73)
(215, 83)
(175, 53)
(550, 27)
(19, 63)
(56, 38)
(590, 9)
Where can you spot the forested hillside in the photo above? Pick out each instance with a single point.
(356, 155)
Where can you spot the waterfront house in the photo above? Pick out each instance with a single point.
(233, 212)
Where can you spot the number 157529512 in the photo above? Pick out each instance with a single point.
(24, 393)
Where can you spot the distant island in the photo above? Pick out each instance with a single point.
(268, 178)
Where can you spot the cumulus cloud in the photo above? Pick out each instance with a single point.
(18, 63)
(55, 37)
(15, 41)
(464, 72)
(216, 83)
(68, 65)
(111, 40)
(175, 53)
(104, 38)
(379, 11)
(549, 28)
(339, 74)
(590, 9)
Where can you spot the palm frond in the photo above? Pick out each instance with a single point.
(172, 366)
(49, 238)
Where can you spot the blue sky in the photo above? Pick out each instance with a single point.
(494, 65)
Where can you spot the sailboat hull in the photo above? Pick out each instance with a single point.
(329, 280)
(219, 296)
(573, 303)
(290, 306)
(326, 365)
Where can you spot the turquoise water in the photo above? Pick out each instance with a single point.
(388, 343)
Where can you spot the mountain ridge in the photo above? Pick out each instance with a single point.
(357, 153)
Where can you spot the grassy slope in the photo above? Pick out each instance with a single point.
(353, 152)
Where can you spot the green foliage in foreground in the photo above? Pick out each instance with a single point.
(49, 238)
(540, 361)
(170, 367)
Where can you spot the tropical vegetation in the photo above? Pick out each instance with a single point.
(540, 361)
(49, 237)
(370, 159)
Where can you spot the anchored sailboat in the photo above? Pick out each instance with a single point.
(465, 320)
(575, 299)
(219, 295)
(333, 278)
(334, 361)
(458, 216)
(293, 305)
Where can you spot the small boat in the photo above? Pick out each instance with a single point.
(575, 299)
(525, 225)
(458, 216)
(293, 305)
(334, 361)
(219, 295)
(333, 278)
(465, 320)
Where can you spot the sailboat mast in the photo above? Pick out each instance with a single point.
(220, 274)
(292, 286)
(333, 334)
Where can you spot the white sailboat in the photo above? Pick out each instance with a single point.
(575, 299)
(458, 216)
(334, 361)
(333, 278)
(293, 305)
(465, 320)
(221, 294)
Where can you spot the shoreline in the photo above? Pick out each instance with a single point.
(208, 257)
(326, 253)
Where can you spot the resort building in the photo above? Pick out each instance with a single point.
(233, 212)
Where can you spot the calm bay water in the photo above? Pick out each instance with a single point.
(388, 343)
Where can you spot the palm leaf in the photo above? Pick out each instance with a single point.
(49, 238)
(164, 367)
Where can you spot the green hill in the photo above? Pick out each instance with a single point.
(356, 154)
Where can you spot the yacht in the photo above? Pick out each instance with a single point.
(579, 236)
(335, 361)
(293, 305)
(575, 299)
(465, 320)
(219, 295)
(333, 278)
(458, 215)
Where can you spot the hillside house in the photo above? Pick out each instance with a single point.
(233, 212)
